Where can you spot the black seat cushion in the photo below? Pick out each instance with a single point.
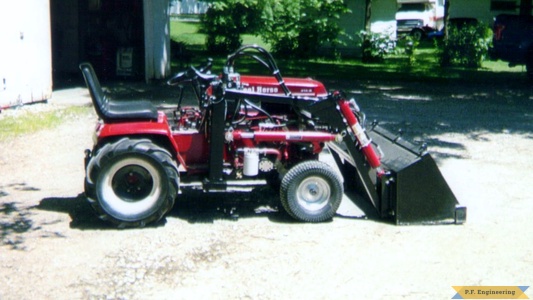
(110, 110)
(131, 109)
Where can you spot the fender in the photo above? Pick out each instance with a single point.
(159, 128)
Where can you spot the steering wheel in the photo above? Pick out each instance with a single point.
(192, 74)
(180, 78)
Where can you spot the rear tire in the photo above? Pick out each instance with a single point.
(131, 182)
(311, 191)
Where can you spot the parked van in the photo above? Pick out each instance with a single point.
(419, 17)
(513, 41)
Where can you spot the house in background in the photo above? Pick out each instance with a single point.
(383, 16)
(25, 55)
(188, 7)
(485, 10)
(119, 37)
(43, 41)
(383, 12)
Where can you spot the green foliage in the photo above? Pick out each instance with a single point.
(226, 20)
(409, 45)
(292, 27)
(376, 46)
(466, 46)
(426, 69)
(298, 28)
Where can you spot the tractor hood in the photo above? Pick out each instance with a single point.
(305, 87)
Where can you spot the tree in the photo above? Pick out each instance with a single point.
(446, 18)
(291, 27)
(301, 27)
(226, 20)
(366, 44)
(368, 15)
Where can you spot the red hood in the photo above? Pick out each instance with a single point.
(297, 86)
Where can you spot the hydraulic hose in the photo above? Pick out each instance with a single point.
(268, 62)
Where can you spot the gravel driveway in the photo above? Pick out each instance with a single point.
(238, 247)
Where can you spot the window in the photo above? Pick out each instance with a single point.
(413, 7)
(502, 5)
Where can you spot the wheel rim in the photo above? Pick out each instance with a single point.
(132, 183)
(313, 193)
(130, 187)
(417, 35)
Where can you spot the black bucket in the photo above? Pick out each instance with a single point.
(413, 191)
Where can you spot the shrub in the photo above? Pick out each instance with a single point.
(466, 46)
(409, 48)
(291, 27)
(226, 20)
(300, 27)
(376, 46)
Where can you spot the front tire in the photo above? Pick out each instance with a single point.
(311, 191)
(131, 182)
(417, 34)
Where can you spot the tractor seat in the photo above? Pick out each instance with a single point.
(110, 110)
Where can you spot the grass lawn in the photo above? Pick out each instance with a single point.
(12, 126)
(395, 67)
(188, 33)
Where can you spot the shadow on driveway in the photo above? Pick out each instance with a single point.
(193, 207)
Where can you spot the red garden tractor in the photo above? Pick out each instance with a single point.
(251, 131)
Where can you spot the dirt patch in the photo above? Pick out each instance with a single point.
(53, 247)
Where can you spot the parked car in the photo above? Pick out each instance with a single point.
(513, 41)
(419, 17)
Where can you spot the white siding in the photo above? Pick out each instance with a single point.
(26, 56)
(382, 20)
(479, 9)
(352, 24)
(157, 39)
(384, 16)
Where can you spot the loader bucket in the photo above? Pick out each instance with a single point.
(413, 191)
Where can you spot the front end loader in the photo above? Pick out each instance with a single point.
(249, 131)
